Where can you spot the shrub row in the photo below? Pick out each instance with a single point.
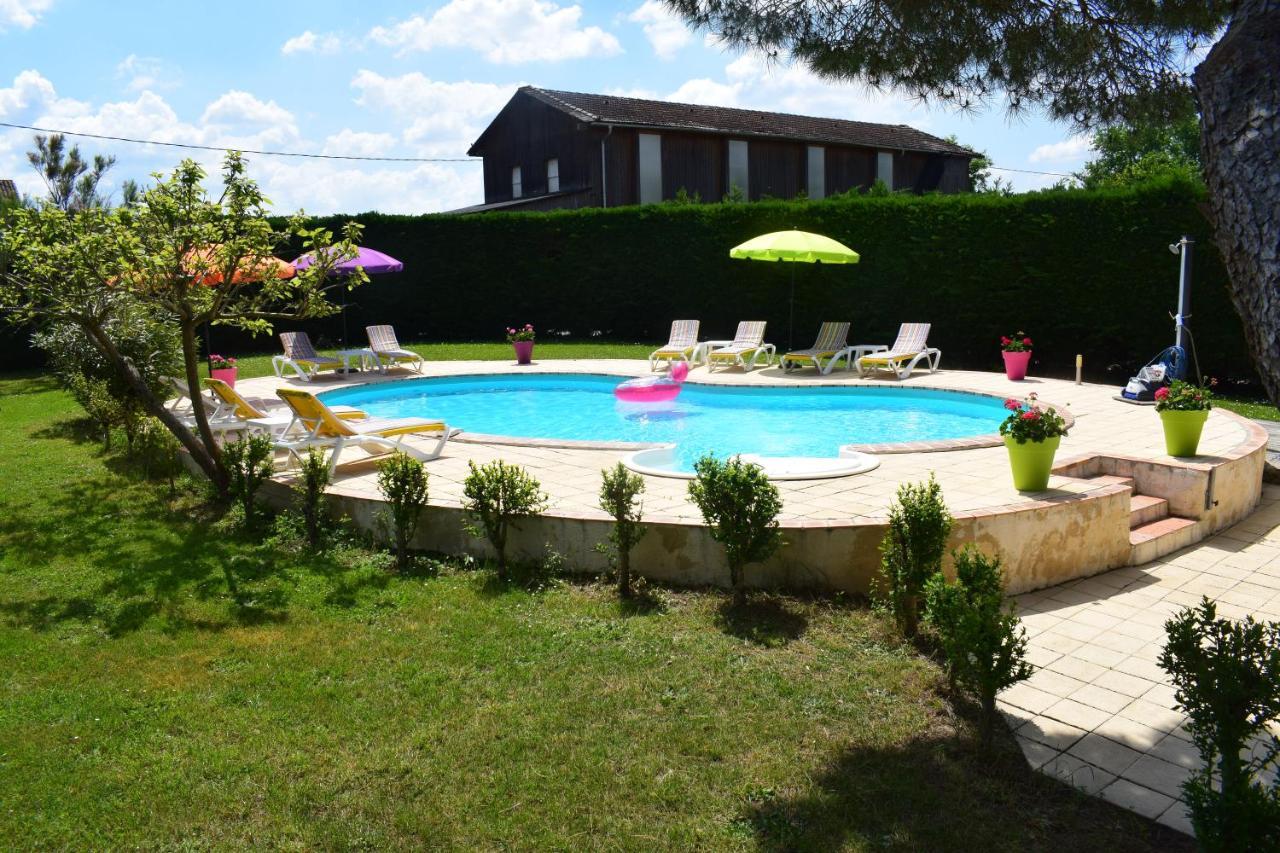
(1082, 272)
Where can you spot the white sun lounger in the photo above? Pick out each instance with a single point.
(748, 343)
(382, 340)
(679, 347)
(910, 348)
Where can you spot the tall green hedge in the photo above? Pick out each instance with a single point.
(1081, 272)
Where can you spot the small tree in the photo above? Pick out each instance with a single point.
(248, 464)
(71, 180)
(95, 383)
(620, 497)
(495, 496)
(185, 259)
(403, 482)
(1227, 676)
(159, 451)
(741, 507)
(911, 552)
(982, 640)
(312, 481)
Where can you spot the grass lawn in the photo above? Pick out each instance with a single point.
(260, 365)
(1257, 409)
(172, 683)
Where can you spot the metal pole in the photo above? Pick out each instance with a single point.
(1184, 288)
(791, 317)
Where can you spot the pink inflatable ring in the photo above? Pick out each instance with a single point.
(653, 389)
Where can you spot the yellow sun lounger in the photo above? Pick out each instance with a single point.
(301, 357)
(910, 348)
(258, 414)
(324, 429)
(747, 343)
(681, 345)
(831, 346)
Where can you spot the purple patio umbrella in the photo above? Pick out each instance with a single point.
(374, 263)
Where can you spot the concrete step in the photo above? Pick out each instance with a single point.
(1112, 480)
(1154, 539)
(1144, 509)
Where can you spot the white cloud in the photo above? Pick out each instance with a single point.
(359, 143)
(23, 14)
(309, 42)
(1070, 151)
(665, 31)
(29, 87)
(754, 82)
(704, 90)
(445, 118)
(451, 117)
(146, 73)
(504, 31)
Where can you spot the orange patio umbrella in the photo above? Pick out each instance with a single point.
(200, 264)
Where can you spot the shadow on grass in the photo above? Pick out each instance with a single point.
(765, 621)
(941, 793)
(140, 557)
(642, 602)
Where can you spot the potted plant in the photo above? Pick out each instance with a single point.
(1017, 355)
(522, 340)
(223, 369)
(1183, 408)
(1032, 435)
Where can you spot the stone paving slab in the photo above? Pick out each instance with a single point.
(973, 480)
(1098, 712)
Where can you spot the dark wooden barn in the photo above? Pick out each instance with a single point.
(548, 149)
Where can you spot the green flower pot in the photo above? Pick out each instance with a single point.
(1031, 462)
(1182, 430)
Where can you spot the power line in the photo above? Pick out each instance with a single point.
(244, 150)
(342, 156)
(1030, 172)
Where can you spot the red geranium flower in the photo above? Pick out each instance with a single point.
(1026, 341)
(1030, 415)
(1162, 393)
(1012, 405)
(1005, 340)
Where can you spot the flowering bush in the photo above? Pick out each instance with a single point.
(1182, 396)
(1018, 342)
(523, 334)
(1029, 422)
(217, 362)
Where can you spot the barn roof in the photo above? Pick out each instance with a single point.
(730, 121)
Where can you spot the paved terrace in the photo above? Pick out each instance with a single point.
(972, 480)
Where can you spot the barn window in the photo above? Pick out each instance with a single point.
(650, 168)
(817, 172)
(738, 166)
(553, 175)
(517, 188)
(884, 167)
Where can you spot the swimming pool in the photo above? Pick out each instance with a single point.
(719, 419)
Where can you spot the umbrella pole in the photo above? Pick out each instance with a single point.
(791, 316)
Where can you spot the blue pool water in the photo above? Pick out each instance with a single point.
(722, 420)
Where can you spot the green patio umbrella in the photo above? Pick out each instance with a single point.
(801, 247)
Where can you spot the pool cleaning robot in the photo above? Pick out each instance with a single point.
(655, 389)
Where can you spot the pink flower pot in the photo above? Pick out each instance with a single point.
(225, 374)
(524, 351)
(1015, 364)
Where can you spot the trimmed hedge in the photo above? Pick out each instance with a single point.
(1081, 272)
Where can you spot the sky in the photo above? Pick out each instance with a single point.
(395, 78)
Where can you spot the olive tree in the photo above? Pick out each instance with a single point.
(186, 257)
(1092, 64)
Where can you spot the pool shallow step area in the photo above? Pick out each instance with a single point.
(1101, 510)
